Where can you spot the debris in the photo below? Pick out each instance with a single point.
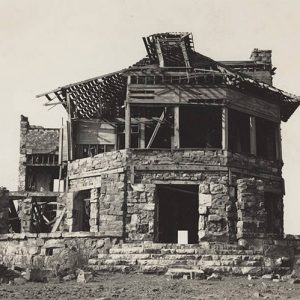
(19, 280)
(257, 295)
(37, 275)
(214, 276)
(295, 281)
(267, 276)
(84, 277)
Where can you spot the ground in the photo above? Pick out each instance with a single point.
(136, 286)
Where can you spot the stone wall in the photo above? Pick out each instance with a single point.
(37, 139)
(34, 139)
(104, 175)
(52, 250)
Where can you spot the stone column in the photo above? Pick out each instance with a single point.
(26, 215)
(4, 211)
(94, 210)
(250, 208)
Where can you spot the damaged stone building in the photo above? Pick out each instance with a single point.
(158, 165)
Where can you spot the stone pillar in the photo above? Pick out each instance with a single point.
(26, 215)
(4, 211)
(213, 198)
(250, 208)
(94, 210)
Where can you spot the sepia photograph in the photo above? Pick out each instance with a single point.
(149, 149)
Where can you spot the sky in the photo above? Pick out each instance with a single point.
(45, 44)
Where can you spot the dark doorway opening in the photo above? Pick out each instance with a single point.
(177, 209)
(81, 211)
(274, 213)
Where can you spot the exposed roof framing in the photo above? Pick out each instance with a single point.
(103, 96)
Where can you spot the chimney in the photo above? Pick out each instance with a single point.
(263, 56)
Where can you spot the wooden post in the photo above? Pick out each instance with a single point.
(70, 129)
(176, 128)
(142, 135)
(225, 128)
(278, 143)
(127, 118)
(253, 135)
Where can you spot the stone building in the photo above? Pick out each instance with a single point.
(176, 149)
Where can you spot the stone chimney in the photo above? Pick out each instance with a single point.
(263, 56)
(263, 70)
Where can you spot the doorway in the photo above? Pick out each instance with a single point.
(176, 210)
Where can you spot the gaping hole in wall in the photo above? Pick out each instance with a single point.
(154, 127)
(266, 138)
(41, 178)
(43, 214)
(81, 211)
(200, 127)
(177, 209)
(14, 219)
(274, 213)
(238, 131)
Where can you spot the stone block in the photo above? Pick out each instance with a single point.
(205, 200)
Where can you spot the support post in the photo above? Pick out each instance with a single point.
(142, 135)
(127, 118)
(70, 127)
(225, 128)
(278, 143)
(253, 135)
(176, 128)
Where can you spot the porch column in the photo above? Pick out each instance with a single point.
(142, 135)
(127, 118)
(225, 128)
(176, 128)
(253, 135)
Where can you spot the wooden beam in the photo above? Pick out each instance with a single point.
(162, 116)
(58, 220)
(127, 117)
(159, 53)
(225, 128)
(142, 135)
(176, 128)
(253, 135)
(185, 55)
(70, 129)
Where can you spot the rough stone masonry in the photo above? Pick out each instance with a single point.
(175, 143)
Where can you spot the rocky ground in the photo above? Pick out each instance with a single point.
(137, 286)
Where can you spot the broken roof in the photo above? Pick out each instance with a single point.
(104, 96)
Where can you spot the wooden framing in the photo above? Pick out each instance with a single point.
(70, 129)
(176, 127)
(162, 116)
(225, 128)
(142, 138)
(127, 118)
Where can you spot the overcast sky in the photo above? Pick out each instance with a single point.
(49, 43)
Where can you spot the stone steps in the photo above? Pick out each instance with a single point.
(148, 257)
